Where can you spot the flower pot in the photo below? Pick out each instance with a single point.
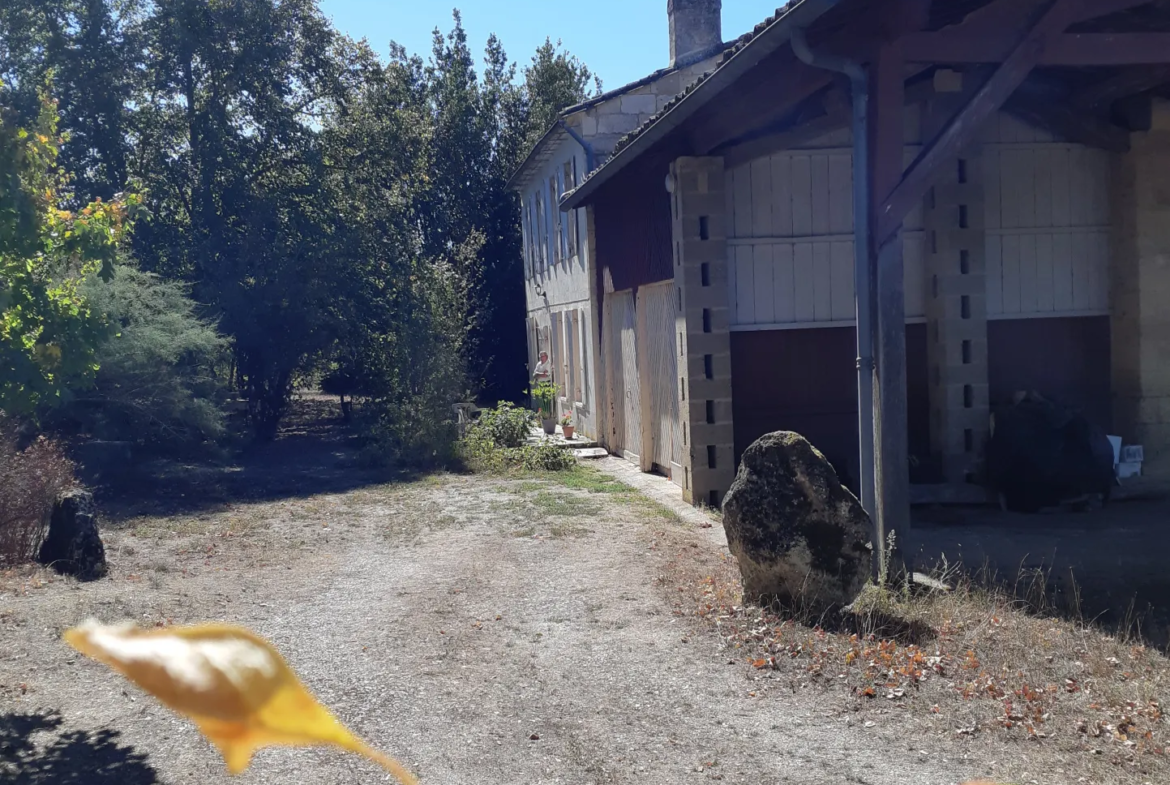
(549, 424)
(568, 430)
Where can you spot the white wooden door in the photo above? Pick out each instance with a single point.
(628, 386)
(656, 307)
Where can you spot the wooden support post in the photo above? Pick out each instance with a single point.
(891, 437)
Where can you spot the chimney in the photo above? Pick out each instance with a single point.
(696, 30)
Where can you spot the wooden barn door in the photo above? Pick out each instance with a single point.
(656, 309)
(622, 367)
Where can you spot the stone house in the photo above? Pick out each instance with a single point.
(561, 298)
(1014, 236)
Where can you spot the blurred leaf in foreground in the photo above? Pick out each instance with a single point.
(232, 683)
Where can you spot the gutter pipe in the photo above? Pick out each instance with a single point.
(862, 274)
(588, 148)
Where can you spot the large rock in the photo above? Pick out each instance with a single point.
(73, 546)
(801, 538)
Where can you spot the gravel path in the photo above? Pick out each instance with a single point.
(482, 631)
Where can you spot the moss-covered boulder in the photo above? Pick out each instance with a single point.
(801, 538)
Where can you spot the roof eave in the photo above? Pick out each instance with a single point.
(801, 14)
(518, 178)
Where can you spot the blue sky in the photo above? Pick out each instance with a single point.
(620, 40)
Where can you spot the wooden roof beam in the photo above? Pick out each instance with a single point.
(963, 127)
(1069, 49)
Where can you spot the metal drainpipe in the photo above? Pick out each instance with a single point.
(588, 148)
(859, 84)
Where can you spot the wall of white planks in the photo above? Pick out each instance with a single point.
(790, 222)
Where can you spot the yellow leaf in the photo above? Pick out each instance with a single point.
(232, 683)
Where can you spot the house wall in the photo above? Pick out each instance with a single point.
(558, 287)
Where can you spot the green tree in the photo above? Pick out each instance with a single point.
(554, 80)
(48, 333)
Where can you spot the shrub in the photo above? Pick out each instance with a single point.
(31, 479)
(495, 444)
(507, 425)
(156, 382)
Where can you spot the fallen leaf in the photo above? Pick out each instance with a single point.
(231, 683)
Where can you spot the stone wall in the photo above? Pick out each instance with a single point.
(1140, 274)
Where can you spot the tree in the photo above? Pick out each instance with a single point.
(48, 333)
(553, 81)
(229, 150)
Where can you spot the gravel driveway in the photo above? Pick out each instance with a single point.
(481, 630)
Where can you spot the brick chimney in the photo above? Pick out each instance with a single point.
(696, 29)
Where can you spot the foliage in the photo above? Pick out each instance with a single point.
(157, 383)
(306, 189)
(507, 425)
(495, 443)
(47, 332)
(31, 479)
(555, 80)
(566, 421)
(545, 394)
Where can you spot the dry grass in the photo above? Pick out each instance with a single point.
(976, 666)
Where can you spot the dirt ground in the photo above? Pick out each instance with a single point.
(482, 630)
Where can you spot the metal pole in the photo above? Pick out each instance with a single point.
(862, 272)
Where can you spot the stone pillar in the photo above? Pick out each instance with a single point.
(698, 207)
(1140, 291)
(956, 312)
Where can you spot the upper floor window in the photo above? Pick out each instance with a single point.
(556, 224)
(539, 232)
(570, 175)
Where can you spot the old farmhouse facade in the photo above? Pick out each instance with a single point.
(559, 277)
(1013, 158)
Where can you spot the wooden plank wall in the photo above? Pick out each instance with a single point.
(791, 221)
(791, 237)
(1047, 224)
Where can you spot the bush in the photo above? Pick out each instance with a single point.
(507, 425)
(156, 383)
(31, 479)
(495, 444)
(413, 374)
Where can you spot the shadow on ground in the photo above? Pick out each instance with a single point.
(1103, 567)
(315, 452)
(36, 750)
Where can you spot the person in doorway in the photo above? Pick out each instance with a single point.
(542, 373)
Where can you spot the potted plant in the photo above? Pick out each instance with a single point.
(545, 394)
(567, 427)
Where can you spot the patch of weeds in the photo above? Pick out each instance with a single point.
(586, 478)
(527, 531)
(655, 510)
(528, 486)
(559, 530)
(564, 505)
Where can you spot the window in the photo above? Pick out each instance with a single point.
(554, 221)
(571, 182)
(583, 377)
(571, 390)
(578, 358)
(555, 353)
(539, 233)
(526, 232)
